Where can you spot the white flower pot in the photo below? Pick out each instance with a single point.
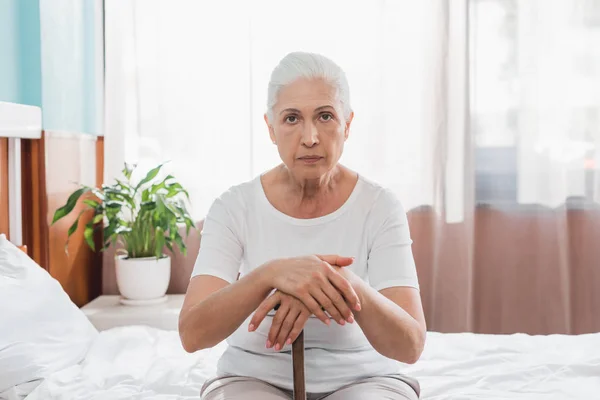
(143, 278)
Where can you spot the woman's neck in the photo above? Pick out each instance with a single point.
(308, 198)
(311, 190)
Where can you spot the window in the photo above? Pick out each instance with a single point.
(535, 99)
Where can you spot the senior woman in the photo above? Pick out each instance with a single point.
(326, 245)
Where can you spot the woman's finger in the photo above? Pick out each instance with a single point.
(287, 326)
(298, 326)
(339, 303)
(336, 260)
(263, 309)
(278, 319)
(328, 305)
(315, 309)
(345, 288)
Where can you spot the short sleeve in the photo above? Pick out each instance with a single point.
(221, 250)
(390, 262)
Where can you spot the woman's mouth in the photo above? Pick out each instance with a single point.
(310, 159)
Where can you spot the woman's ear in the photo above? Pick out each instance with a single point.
(347, 127)
(271, 130)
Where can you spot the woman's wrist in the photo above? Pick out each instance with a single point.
(360, 288)
(266, 274)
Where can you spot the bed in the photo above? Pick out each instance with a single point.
(137, 362)
(52, 351)
(39, 169)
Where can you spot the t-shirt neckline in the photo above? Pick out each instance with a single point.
(307, 221)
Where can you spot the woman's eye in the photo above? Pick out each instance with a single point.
(291, 119)
(326, 117)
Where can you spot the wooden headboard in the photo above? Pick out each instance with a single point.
(4, 211)
(51, 167)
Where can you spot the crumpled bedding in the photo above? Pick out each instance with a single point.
(133, 362)
(138, 362)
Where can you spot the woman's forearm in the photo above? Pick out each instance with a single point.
(391, 330)
(217, 316)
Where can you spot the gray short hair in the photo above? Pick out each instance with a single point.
(307, 65)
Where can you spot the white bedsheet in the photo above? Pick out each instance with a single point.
(143, 363)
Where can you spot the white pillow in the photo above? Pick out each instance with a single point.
(41, 330)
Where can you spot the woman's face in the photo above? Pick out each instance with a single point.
(309, 127)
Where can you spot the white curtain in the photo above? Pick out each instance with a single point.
(432, 86)
(536, 90)
(186, 81)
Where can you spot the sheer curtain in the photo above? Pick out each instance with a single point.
(535, 125)
(559, 99)
(536, 81)
(186, 81)
(482, 115)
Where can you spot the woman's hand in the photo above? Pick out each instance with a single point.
(351, 277)
(317, 284)
(288, 322)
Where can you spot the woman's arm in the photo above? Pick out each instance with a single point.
(392, 315)
(212, 309)
(216, 302)
(392, 320)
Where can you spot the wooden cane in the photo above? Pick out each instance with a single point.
(298, 367)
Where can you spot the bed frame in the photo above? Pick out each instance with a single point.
(48, 168)
(63, 159)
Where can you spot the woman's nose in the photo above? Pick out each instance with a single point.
(310, 135)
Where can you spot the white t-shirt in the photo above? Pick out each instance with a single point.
(243, 231)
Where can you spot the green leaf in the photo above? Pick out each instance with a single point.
(109, 231)
(71, 202)
(156, 187)
(91, 203)
(149, 176)
(175, 189)
(111, 214)
(128, 170)
(179, 241)
(73, 228)
(171, 207)
(97, 218)
(113, 204)
(88, 234)
(146, 195)
(160, 242)
(121, 197)
(98, 193)
(148, 205)
(124, 186)
(189, 224)
(116, 191)
(161, 185)
(169, 246)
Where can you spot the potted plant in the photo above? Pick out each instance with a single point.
(140, 219)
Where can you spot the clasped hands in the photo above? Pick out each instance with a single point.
(307, 286)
